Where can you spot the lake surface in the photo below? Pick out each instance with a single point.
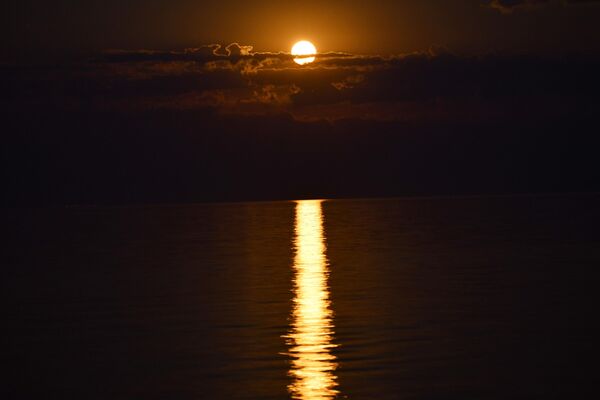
(426, 298)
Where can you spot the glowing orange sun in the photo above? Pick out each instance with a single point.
(304, 51)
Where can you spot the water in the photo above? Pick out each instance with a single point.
(464, 298)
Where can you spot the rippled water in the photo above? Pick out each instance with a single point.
(312, 326)
(466, 298)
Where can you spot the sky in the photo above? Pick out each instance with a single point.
(55, 29)
(169, 101)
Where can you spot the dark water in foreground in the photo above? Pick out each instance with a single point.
(470, 298)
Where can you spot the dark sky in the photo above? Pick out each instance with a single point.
(46, 28)
(155, 100)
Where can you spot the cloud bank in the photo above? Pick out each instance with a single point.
(508, 6)
(229, 123)
(234, 79)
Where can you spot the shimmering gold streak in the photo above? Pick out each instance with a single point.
(311, 335)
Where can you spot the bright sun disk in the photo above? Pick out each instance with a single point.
(304, 51)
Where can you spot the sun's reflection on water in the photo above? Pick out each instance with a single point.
(311, 333)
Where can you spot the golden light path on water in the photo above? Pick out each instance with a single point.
(311, 336)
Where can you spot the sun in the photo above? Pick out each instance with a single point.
(304, 51)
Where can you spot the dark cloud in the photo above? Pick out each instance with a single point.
(223, 123)
(235, 80)
(233, 52)
(507, 6)
(181, 155)
(202, 54)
